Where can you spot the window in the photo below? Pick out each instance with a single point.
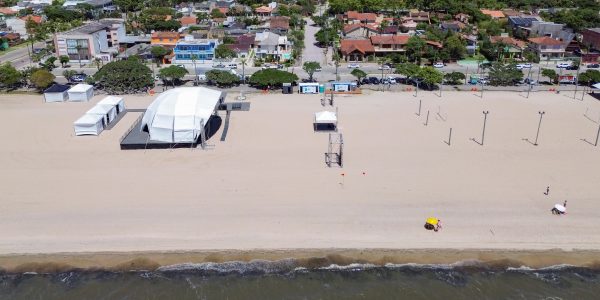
(84, 51)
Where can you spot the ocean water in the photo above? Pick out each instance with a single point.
(287, 280)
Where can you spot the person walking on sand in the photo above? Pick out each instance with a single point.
(547, 191)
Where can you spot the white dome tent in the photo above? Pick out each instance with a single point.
(179, 115)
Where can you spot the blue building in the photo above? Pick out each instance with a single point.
(202, 49)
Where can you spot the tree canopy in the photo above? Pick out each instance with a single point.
(172, 73)
(222, 51)
(158, 52)
(272, 78)
(415, 48)
(124, 77)
(407, 69)
(359, 74)
(311, 67)
(551, 74)
(222, 78)
(454, 78)
(430, 76)
(504, 74)
(42, 79)
(9, 76)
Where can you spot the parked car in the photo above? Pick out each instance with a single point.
(268, 66)
(572, 67)
(484, 81)
(373, 80)
(523, 66)
(438, 65)
(232, 66)
(353, 66)
(563, 65)
(593, 66)
(219, 66)
(528, 81)
(78, 78)
(318, 70)
(384, 67)
(365, 81)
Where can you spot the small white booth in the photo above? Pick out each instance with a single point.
(81, 92)
(308, 88)
(56, 93)
(89, 124)
(114, 101)
(325, 121)
(108, 113)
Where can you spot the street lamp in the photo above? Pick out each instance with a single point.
(485, 113)
(539, 124)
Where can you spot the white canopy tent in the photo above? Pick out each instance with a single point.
(81, 92)
(56, 93)
(325, 120)
(179, 115)
(596, 86)
(108, 113)
(115, 101)
(89, 124)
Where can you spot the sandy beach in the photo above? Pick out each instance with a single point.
(267, 186)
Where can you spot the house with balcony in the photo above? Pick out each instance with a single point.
(166, 39)
(356, 50)
(591, 38)
(513, 48)
(547, 47)
(352, 17)
(189, 50)
(93, 40)
(358, 30)
(271, 45)
(387, 44)
(279, 25)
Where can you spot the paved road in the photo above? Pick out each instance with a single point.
(20, 58)
(311, 52)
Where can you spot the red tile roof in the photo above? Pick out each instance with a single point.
(493, 13)
(165, 35)
(351, 27)
(185, 21)
(282, 23)
(36, 19)
(545, 40)
(263, 9)
(508, 41)
(224, 10)
(7, 11)
(390, 39)
(362, 46)
(354, 15)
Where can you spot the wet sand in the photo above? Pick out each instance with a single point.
(267, 187)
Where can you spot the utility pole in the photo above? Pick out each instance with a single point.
(539, 124)
(597, 135)
(243, 70)
(577, 79)
(485, 113)
(442, 84)
(417, 89)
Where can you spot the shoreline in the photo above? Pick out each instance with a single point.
(307, 258)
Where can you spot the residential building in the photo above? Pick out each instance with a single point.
(105, 5)
(243, 44)
(461, 17)
(387, 44)
(84, 43)
(494, 14)
(165, 38)
(471, 43)
(266, 11)
(454, 26)
(390, 30)
(591, 38)
(513, 48)
(190, 49)
(356, 50)
(547, 47)
(419, 16)
(269, 44)
(279, 25)
(550, 29)
(359, 30)
(115, 30)
(188, 21)
(352, 17)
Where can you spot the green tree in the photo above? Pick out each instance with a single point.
(216, 13)
(158, 52)
(502, 74)
(359, 74)
(551, 74)
(272, 78)
(49, 63)
(589, 77)
(172, 74)
(407, 69)
(455, 47)
(222, 78)
(68, 74)
(311, 67)
(454, 78)
(222, 51)
(326, 36)
(430, 76)
(9, 76)
(64, 60)
(415, 47)
(42, 79)
(124, 77)
(127, 5)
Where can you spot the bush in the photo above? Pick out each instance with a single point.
(124, 77)
(222, 78)
(42, 79)
(272, 78)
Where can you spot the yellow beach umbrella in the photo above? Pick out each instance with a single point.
(432, 221)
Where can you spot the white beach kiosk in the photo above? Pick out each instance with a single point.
(326, 121)
(81, 92)
(180, 115)
(116, 102)
(89, 124)
(108, 113)
(56, 93)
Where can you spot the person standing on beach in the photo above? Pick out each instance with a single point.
(547, 191)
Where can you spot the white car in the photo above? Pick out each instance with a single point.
(353, 66)
(384, 67)
(563, 65)
(524, 66)
(438, 65)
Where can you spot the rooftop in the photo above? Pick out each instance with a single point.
(87, 28)
(546, 41)
(363, 46)
(493, 13)
(390, 39)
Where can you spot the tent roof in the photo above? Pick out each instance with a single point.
(57, 88)
(325, 117)
(110, 100)
(100, 109)
(81, 88)
(89, 119)
(596, 86)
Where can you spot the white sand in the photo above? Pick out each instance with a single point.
(267, 186)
